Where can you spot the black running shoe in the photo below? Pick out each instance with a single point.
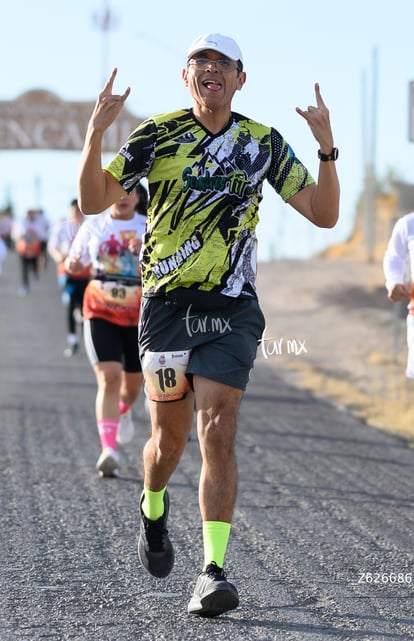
(155, 549)
(213, 594)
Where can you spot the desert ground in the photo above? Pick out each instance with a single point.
(331, 329)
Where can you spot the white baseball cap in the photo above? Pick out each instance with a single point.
(215, 41)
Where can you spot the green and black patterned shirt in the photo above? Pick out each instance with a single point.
(205, 191)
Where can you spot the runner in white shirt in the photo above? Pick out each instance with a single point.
(3, 254)
(43, 226)
(110, 244)
(72, 286)
(398, 267)
(28, 245)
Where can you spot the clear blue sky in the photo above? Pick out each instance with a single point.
(287, 47)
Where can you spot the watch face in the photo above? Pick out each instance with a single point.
(332, 156)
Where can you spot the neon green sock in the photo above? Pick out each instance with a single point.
(153, 503)
(215, 537)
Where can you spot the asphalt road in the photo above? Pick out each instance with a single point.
(322, 541)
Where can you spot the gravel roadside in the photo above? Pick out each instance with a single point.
(350, 339)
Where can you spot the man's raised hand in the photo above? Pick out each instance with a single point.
(108, 105)
(318, 121)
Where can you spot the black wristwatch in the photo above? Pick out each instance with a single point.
(332, 156)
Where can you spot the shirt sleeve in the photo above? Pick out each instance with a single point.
(135, 158)
(79, 247)
(287, 175)
(396, 255)
(54, 238)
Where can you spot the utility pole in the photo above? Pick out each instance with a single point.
(105, 22)
(369, 163)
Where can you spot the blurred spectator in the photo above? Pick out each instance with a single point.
(72, 285)
(5, 228)
(3, 254)
(28, 245)
(43, 230)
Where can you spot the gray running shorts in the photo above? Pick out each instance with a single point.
(222, 337)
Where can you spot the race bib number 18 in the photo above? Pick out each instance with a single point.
(164, 373)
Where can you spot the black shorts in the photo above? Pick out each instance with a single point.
(105, 341)
(75, 288)
(222, 339)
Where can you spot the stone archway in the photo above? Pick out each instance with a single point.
(39, 119)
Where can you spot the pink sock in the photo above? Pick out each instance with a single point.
(123, 407)
(107, 429)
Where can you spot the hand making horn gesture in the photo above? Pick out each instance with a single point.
(108, 105)
(318, 121)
